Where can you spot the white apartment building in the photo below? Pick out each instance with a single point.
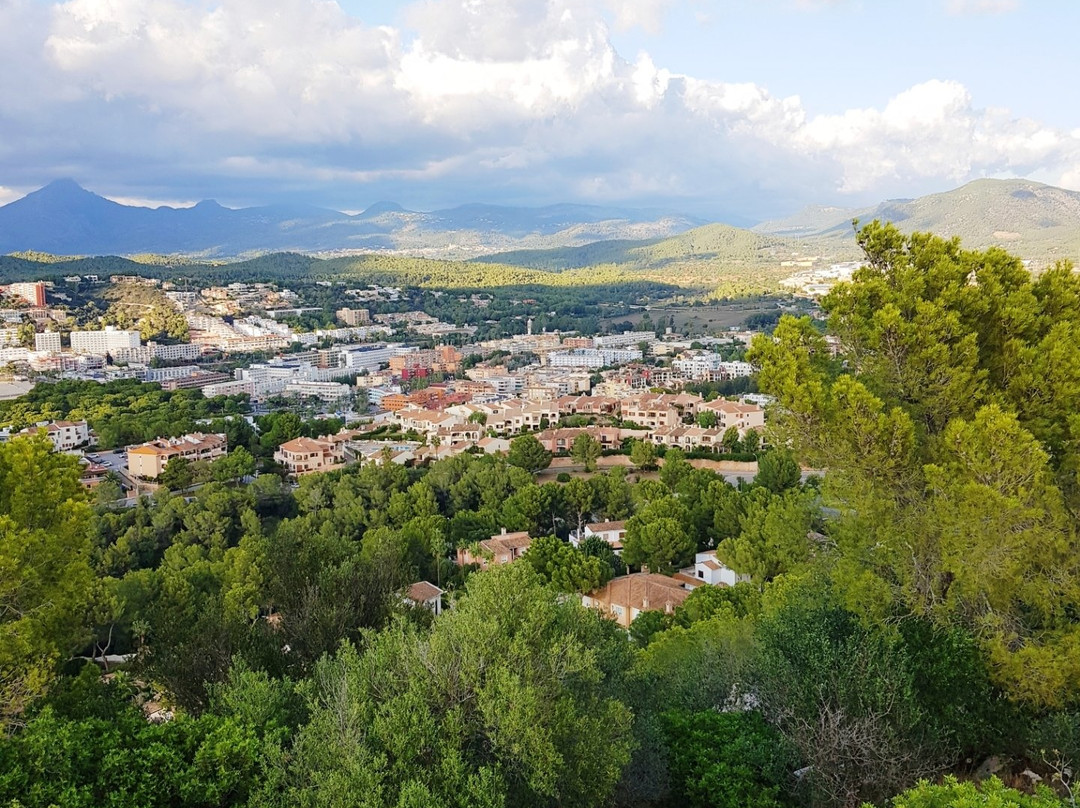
(623, 340)
(326, 391)
(592, 357)
(103, 342)
(47, 341)
(182, 352)
(228, 389)
(164, 374)
(368, 357)
(65, 435)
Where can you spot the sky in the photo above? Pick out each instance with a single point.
(736, 110)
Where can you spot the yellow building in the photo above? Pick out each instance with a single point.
(149, 460)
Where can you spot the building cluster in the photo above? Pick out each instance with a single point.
(814, 281)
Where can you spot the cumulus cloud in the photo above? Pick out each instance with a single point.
(473, 99)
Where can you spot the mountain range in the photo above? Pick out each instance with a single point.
(1027, 218)
(1033, 220)
(65, 219)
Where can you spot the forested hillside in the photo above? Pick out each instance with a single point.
(912, 616)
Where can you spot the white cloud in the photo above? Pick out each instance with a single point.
(528, 98)
(965, 7)
(8, 195)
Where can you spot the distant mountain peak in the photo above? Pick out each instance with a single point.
(64, 188)
(382, 207)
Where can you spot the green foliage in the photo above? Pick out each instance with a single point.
(120, 412)
(509, 700)
(950, 449)
(643, 454)
(526, 452)
(586, 450)
(778, 471)
(177, 474)
(772, 538)
(95, 747)
(648, 625)
(727, 760)
(566, 567)
(990, 794)
(658, 537)
(727, 602)
(47, 588)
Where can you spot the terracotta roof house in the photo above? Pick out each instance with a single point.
(423, 593)
(499, 549)
(148, 460)
(305, 455)
(627, 596)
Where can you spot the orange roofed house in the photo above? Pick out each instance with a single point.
(149, 460)
(499, 549)
(627, 596)
(306, 455)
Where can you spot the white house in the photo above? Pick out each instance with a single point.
(423, 593)
(611, 532)
(709, 570)
(65, 435)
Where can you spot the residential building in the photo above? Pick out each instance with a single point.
(735, 414)
(65, 435)
(592, 357)
(688, 438)
(195, 381)
(164, 374)
(104, 342)
(325, 391)
(562, 440)
(627, 596)
(623, 340)
(650, 411)
(228, 388)
(149, 460)
(611, 532)
(424, 593)
(33, 293)
(708, 569)
(499, 549)
(305, 455)
(47, 341)
(354, 317)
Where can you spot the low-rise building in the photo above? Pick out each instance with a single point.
(425, 593)
(627, 596)
(562, 440)
(611, 532)
(306, 455)
(708, 569)
(502, 548)
(149, 460)
(735, 414)
(65, 435)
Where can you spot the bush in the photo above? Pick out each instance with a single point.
(729, 760)
(562, 477)
(991, 794)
